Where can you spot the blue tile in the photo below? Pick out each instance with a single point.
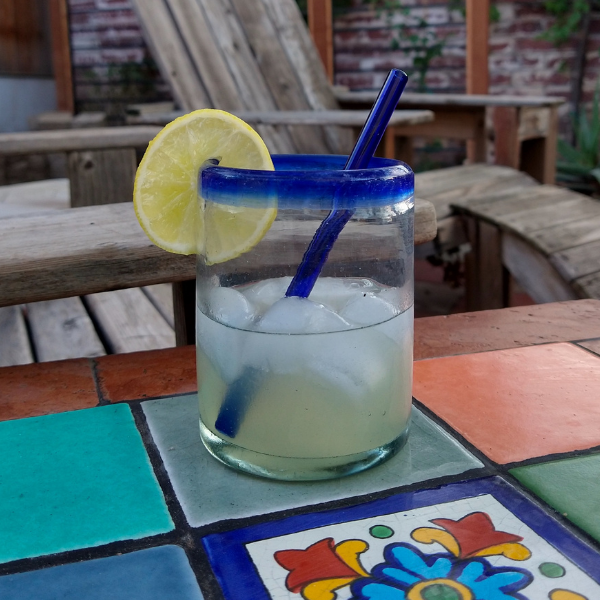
(156, 574)
(202, 483)
(482, 538)
(73, 480)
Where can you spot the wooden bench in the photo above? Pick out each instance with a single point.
(547, 238)
(88, 252)
(525, 129)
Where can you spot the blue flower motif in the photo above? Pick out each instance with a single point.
(407, 573)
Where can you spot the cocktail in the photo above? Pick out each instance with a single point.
(304, 291)
(314, 387)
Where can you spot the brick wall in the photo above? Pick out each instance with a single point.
(520, 63)
(112, 66)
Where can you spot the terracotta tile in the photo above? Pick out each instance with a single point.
(517, 404)
(147, 374)
(507, 328)
(45, 388)
(592, 345)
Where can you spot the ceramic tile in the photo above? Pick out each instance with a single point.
(481, 540)
(75, 479)
(160, 573)
(507, 328)
(592, 345)
(571, 486)
(147, 374)
(46, 388)
(201, 482)
(516, 404)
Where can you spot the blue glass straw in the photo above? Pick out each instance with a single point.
(240, 393)
(318, 250)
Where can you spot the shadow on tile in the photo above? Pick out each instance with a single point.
(209, 491)
(156, 574)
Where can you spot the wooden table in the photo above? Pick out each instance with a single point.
(525, 128)
(107, 490)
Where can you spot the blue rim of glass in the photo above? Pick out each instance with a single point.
(314, 181)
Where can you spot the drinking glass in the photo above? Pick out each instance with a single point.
(318, 387)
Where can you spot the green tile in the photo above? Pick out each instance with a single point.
(571, 486)
(73, 480)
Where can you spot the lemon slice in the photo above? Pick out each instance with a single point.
(165, 191)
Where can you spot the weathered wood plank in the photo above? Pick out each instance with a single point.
(592, 345)
(205, 54)
(588, 286)
(100, 248)
(62, 329)
(22, 199)
(170, 53)
(478, 100)
(567, 235)
(129, 321)
(302, 54)
(161, 296)
(14, 341)
(101, 176)
(533, 271)
(279, 74)
(343, 118)
(576, 262)
(70, 140)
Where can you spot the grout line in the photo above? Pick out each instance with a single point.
(102, 401)
(540, 460)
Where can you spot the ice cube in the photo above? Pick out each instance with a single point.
(263, 294)
(355, 361)
(335, 292)
(367, 309)
(230, 307)
(300, 315)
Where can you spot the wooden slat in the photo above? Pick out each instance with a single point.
(424, 100)
(205, 54)
(14, 341)
(161, 296)
(533, 271)
(102, 176)
(279, 74)
(567, 235)
(94, 249)
(170, 53)
(62, 329)
(99, 138)
(343, 118)
(253, 90)
(573, 263)
(303, 55)
(593, 345)
(588, 286)
(130, 322)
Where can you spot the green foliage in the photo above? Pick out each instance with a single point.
(579, 165)
(569, 14)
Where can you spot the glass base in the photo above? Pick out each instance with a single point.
(297, 469)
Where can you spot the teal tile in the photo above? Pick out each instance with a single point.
(571, 486)
(209, 491)
(73, 480)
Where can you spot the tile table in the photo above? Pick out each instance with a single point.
(107, 493)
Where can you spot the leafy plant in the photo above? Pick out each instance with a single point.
(579, 166)
(569, 15)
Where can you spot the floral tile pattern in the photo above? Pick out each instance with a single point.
(480, 540)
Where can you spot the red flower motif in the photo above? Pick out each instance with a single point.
(475, 532)
(317, 562)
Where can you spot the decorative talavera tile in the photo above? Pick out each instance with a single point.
(73, 480)
(479, 540)
(209, 491)
(162, 573)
